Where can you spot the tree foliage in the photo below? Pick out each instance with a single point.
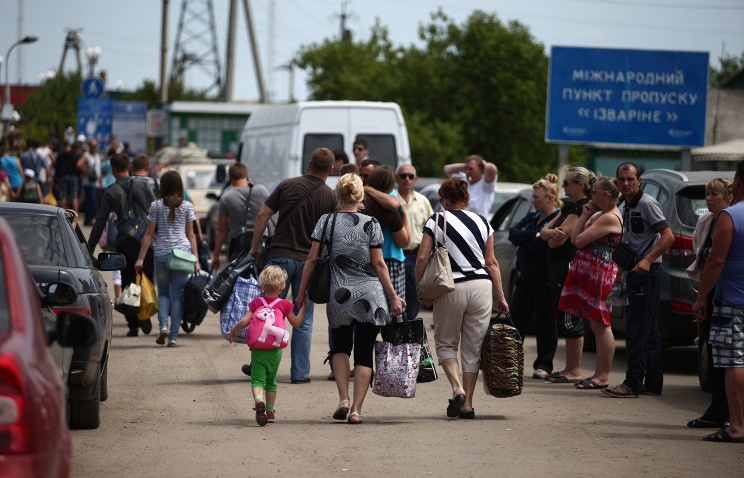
(730, 64)
(475, 88)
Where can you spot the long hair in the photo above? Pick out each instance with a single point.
(171, 191)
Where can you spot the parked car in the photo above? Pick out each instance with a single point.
(57, 253)
(34, 438)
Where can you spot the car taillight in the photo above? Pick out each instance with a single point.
(13, 437)
(680, 307)
(681, 247)
(73, 308)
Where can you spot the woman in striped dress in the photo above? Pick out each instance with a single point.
(461, 317)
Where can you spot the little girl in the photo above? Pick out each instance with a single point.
(266, 347)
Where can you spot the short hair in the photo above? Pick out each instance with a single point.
(382, 179)
(120, 163)
(549, 185)
(237, 171)
(370, 162)
(361, 142)
(454, 190)
(399, 168)
(585, 176)
(341, 155)
(610, 185)
(272, 278)
(479, 161)
(626, 167)
(322, 160)
(348, 168)
(349, 189)
(141, 162)
(723, 186)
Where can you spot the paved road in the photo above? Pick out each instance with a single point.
(186, 412)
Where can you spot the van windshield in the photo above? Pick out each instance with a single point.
(382, 148)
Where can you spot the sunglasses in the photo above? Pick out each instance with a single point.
(358, 148)
(566, 182)
(406, 176)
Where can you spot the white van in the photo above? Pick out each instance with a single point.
(278, 141)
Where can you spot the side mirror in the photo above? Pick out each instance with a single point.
(75, 330)
(111, 261)
(221, 174)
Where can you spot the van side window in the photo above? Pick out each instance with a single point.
(382, 148)
(313, 141)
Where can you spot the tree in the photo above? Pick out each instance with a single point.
(475, 88)
(51, 109)
(730, 64)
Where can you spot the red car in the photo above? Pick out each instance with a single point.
(34, 438)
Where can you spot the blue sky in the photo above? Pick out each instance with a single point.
(128, 31)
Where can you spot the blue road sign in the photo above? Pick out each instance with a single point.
(627, 96)
(93, 87)
(94, 118)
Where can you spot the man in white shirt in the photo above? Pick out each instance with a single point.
(481, 177)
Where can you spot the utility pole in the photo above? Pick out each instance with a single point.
(345, 33)
(254, 48)
(164, 55)
(289, 67)
(232, 22)
(197, 33)
(20, 35)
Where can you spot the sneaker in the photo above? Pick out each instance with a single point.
(270, 417)
(146, 326)
(162, 336)
(261, 417)
(172, 343)
(540, 374)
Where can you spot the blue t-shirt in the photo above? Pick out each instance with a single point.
(10, 166)
(390, 249)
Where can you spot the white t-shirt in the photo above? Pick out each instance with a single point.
(481, 194)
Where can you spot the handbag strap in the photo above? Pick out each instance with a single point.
(247, 205)
(294, 205)
(330, 238)
(444, 229)
(167, 229)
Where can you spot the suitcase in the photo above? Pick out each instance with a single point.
(502, 359)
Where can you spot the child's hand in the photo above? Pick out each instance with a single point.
(230, 337)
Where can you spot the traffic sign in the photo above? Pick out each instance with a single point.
(600, 95)
(93, 87)
(94, 118)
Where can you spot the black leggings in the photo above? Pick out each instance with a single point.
(361, 337)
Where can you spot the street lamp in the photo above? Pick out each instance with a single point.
(8, 106)
(93, 53)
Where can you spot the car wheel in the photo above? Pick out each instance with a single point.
(104, 383)
(86, 414)
(188, 327)
(590, 342)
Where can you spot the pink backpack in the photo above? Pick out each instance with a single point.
(267, 329)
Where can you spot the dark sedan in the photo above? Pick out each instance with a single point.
(57, 253)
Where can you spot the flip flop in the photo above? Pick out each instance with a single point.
(342, 410)
(620, 391)
(556, 377)
(722, 436)
(589, 384)
(453, 409)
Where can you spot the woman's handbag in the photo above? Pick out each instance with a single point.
(413, 332)
(129, 300)
(148, 297)
(178, 259)
(502, 359)
(437, 279)
(625, 257)
(243, 293)
(396, 368)
(319, 289)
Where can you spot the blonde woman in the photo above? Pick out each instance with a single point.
(532, 291)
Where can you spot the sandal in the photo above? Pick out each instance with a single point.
(621, 391)
(589, 384)
(703, 423)
(722, 436)
(355, 418)
(453, 409)
(342, 410)
(556, 377)
(261, 417)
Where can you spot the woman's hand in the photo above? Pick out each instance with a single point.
(502, 305)
(197, 267)
(138, 265)
(398, 305)
(588, 209)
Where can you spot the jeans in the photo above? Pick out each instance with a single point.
(170, 296)
(90, 203)
(412, 304)
(302, 336)
(530, 299)
(642, 339)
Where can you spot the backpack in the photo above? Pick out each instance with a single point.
(267, 329)
(30, 192)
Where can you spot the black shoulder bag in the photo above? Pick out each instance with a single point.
(319, 289)
(134, 226)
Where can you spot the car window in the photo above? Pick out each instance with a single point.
(691, 204)
(40, 239)
(651, 188)
(313, 141)
(4, 313)
(382, 148)
(87, 257)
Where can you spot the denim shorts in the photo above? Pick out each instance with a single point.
(727, 335)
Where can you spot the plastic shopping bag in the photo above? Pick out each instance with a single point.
(243, 293)
(148, 297)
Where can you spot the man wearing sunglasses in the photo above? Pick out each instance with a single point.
(481, 177)
(418, 210)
